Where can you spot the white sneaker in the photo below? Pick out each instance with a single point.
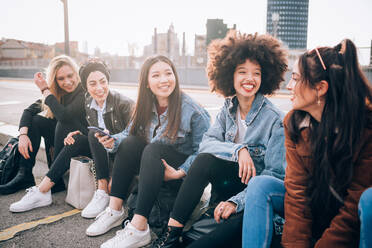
(98, 203)
(129, 237)
(33, 199)
(105, 221)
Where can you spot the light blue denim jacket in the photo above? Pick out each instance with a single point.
(264, 139)
(195, 121)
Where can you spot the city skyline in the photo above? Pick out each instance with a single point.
(113, 25)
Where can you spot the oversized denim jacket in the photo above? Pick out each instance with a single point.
(264, 139)
(195, 121)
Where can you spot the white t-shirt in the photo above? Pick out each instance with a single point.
(242, 128)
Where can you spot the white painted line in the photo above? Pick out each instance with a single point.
(9, 103)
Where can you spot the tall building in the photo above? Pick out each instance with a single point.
(166, 44)
(216, 29)
(288, 20)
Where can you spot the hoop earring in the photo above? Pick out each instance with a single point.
(318, 99)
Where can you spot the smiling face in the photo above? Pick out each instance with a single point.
(303, 97)
(161, 80)
(97, 86)
(66, 78)
(247, 79)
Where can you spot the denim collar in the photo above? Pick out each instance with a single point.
(155, 111)
(253, 112)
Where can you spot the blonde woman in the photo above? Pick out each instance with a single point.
(62, 101)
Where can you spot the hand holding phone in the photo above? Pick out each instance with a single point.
(100, 131)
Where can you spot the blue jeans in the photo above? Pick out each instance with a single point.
(265, 196)
(365, 216)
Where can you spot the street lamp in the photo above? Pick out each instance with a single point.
(67, 41)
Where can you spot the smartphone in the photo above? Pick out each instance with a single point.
(100, 131)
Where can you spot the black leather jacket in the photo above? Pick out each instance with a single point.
(117, 114)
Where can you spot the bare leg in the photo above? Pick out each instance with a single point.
(139, 222)
(103, 185)
(45, 185)
(116, 203)
(173, 222)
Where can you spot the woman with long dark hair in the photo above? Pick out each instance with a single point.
(163, 135)
(328, 151)
(329, 148)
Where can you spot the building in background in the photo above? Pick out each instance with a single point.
(216, 29)
(12, 49)
(200, 51)
(287, 20)
(166, 44)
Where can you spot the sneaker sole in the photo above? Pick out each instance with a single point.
(115, 224)
(37, 205)
(87, 216)
(142, 243)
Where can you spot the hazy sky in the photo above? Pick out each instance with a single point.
(112, 24)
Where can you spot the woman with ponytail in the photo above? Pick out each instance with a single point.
(328, 140)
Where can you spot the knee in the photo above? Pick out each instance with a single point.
(130, 144)
(202, 163)
(260, 185)
(365, 204)
(153, 149)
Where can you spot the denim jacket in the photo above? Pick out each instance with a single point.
(264, 139)
(195, 121)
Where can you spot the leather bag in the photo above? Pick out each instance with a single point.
(9, 157)
(82, 182)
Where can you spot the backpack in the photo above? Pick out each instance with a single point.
(9, 157)
(163, 205)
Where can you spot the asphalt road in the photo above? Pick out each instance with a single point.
(69, 231)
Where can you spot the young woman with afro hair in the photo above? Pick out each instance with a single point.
(246, 139)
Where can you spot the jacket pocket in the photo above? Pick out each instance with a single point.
(257, 153)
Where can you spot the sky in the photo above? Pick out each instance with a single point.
(113, 24)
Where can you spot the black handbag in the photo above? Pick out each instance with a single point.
(9, 157)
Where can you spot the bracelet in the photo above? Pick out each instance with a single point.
(22, 134)
(44, 89)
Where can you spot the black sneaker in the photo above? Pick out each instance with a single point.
(169, 238)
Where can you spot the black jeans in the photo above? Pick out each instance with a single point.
(100, 156)
(135, 156)
(41, 127)
(206, 168)
(62, 162)
(83, 146)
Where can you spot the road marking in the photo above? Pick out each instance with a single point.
(12, 231)
(9, 103)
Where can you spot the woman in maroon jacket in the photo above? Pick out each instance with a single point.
(329, 148)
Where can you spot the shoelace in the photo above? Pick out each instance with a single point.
(107, 211)
(121, 234)
(29, 191)
(159, 242)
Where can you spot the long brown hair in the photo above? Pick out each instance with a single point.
(51, 71)
(336, 138)
(143, 111)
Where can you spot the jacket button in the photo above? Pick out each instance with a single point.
(116, 121)
(88, 116)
